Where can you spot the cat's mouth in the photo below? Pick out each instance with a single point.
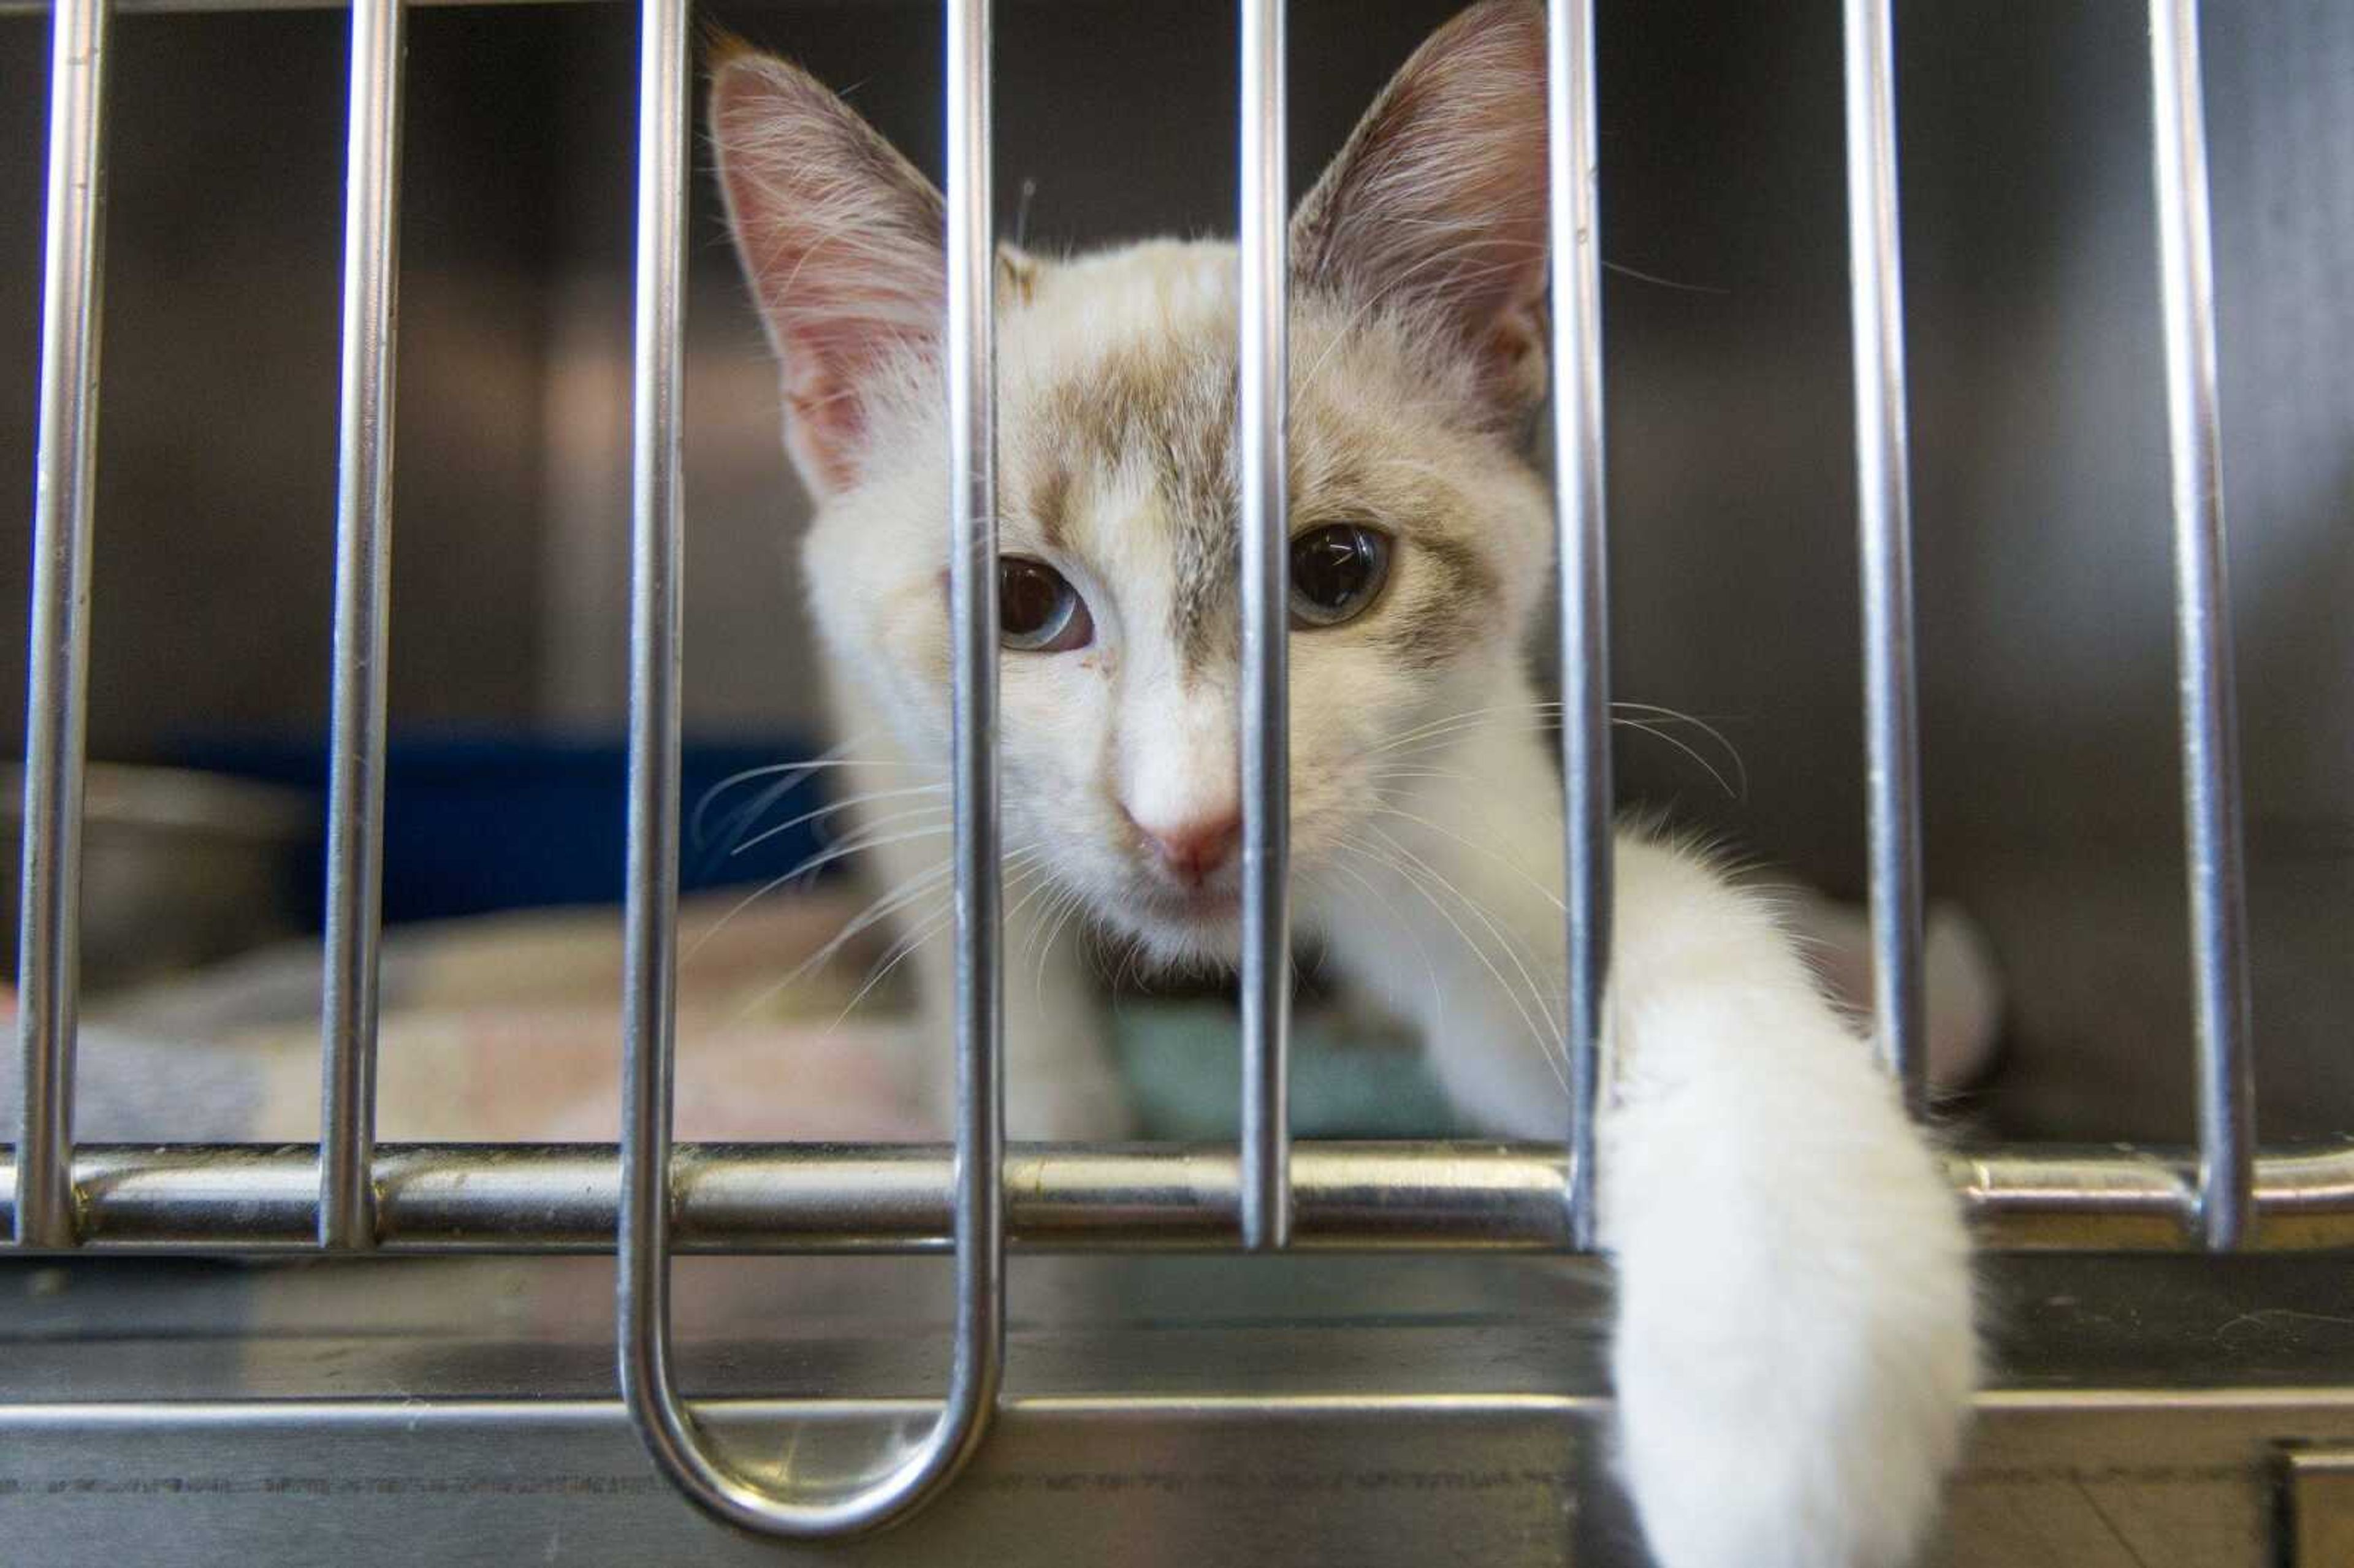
(1202, 918)
(1216, 903)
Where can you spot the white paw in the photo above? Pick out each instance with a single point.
(1846, 1473)
(1796, 1354)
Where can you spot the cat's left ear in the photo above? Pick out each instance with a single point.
(1435, 208)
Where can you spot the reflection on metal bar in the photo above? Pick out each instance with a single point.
(1263, 470)
(57, 695)
(788, 1505)
(362, 560)
(1884, 523)
(1579, 504)
(896, 1198)
(2202, 619)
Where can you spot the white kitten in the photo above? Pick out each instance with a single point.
(1794, 1353)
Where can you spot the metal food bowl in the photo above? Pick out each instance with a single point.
(178, 868)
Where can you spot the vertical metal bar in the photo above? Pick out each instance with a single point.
(56, 699)
(363, 571)
(770, 1501)
(1579, 503)
(1884, 524)
(971, 375)
(2202, 617)
(1265, 477)
(649, 913)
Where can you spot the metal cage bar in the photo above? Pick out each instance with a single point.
(57, 699)
(680, 1445)
(651, 910)
(2210, 731)
(1264, 468)
(1581, 516)
(347, 1023)
(1885, 536)
(213, 1199)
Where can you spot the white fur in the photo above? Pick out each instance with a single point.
(1795, 1349)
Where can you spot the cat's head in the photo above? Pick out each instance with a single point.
(1421, 535)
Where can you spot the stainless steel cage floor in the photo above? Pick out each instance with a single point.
(1357, 1411)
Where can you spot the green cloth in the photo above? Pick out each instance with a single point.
(1183, 1063)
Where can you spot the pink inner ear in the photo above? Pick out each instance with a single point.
(841, 240)
(825, 432)
(1437, 206)
(832, 359)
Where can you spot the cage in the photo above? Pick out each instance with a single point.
(2026, 412)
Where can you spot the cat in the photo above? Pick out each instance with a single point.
(1793, 1352)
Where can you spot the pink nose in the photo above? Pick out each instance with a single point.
(1190, 851)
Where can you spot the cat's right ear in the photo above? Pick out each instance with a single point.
(1435, 208)
(843, 241)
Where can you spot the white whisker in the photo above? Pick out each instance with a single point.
(1514, 948)
(847, 803)
(1548, 1043)
(1707, 767)
(1437, 992)
(846, 848)
(1388, 809)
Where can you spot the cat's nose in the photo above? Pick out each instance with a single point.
(1190, 851)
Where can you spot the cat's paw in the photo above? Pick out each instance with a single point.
(1796, 1353)
(1794, 1444)
(1788, 1478)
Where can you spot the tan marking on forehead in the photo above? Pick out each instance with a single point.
(1126, 426)
(1050, 503)
(1164, 410)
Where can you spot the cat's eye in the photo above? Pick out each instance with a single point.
(1038, 611)
(1337, 572)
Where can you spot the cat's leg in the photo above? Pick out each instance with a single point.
(1794, 1354)
(1062, 1081)
(1062, 1073)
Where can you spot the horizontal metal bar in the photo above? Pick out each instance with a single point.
(828, 1198)
(893, 1198)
